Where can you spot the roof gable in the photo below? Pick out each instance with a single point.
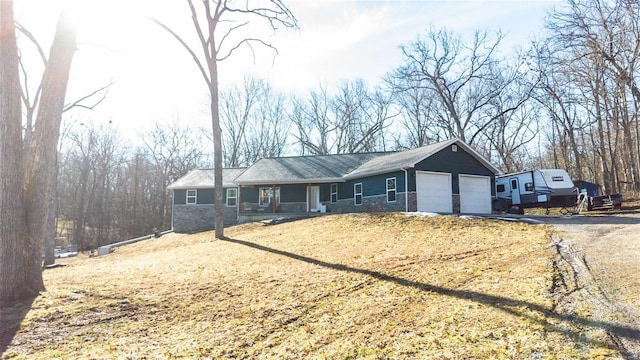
(408, 159)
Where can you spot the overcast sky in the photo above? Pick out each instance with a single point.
(338, 40)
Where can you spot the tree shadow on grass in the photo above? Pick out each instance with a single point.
(10, 319)
(508, 305)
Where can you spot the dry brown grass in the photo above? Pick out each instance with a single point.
(333, 287)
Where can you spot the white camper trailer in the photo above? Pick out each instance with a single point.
(537, 188)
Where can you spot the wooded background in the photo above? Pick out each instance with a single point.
(568, 99)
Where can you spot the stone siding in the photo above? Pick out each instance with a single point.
(287, 207)
(413, 201)
(456, 203)
(195, 218)
(369, 204)
(292, 207)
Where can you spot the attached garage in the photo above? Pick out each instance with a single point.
(475, 194)
(433, 192)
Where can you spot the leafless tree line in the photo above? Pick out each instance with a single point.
(569, 100)
(588, 90)
(29, 162)
(109, 192)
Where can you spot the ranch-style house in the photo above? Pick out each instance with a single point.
(445, 177)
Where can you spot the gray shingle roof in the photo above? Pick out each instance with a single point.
(204, 178)
(321, 168)
(394, 161)
(409, 158)
(297, 169)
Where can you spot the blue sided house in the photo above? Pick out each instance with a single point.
(446, 177)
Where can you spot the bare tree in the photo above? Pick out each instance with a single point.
(173, 151)
(109, 191)
(89, 161)
(313, 123)
(254, 122)
(31, 102)
(593, 50)
(216, 25)
(417, 116)
(352, 120)
(360, 118)
(458, 75)
(514, 118)
(270, 133)
(237, 107)
(25, 191)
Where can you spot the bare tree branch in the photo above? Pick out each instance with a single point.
(195, 58)
(78, 102)
(35, 42)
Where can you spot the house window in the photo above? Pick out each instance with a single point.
(266, 196)
(391, 189)
(192, 196)
(454, 148)
(334, 193)
(232, 197)
(357, 194)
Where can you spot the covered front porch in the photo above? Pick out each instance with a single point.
(259, 202)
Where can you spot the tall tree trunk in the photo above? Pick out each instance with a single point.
(18, 278)
(604, 165)
(25, 196)
(217, 144)
(40, 179)
(52, 231)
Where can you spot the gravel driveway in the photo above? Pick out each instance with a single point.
(604, 253)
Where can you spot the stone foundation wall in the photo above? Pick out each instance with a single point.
(288, 207)
(196, 218)
(293, 207)
(456, 203)
(369, 204)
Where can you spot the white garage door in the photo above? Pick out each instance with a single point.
(433, 192)
(475, 194)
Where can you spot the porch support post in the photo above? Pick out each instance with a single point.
(406, 190)
(308, 198)
(274, 206)
(239, 204)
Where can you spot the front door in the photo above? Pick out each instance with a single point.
(314, 198)
(515, 191)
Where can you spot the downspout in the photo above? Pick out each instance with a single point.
(173, 206)
(238, 202)
(406, 189)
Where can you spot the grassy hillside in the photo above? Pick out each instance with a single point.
(334, 287)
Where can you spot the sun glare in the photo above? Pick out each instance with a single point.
(100, 21)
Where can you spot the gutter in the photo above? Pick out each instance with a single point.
(173, 206)
(291, 182)
(406, 188)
